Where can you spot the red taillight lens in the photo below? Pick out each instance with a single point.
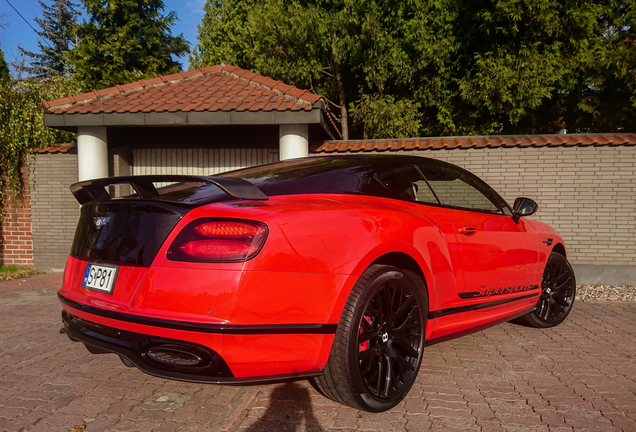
(227, 229)
(218, 240)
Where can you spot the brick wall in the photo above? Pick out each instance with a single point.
(16, 247)
(586, 193)
(55, 210)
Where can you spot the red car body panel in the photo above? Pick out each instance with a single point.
(317, 247)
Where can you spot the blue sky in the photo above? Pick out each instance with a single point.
(17, 32)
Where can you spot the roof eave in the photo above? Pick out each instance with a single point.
(192, 118)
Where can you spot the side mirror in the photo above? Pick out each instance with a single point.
(523, 207)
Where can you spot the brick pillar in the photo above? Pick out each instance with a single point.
(16, 239)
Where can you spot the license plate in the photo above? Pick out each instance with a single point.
(100, 277)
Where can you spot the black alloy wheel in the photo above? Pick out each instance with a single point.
(558, 289)
(378, 347)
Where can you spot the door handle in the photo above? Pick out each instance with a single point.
(468, 230)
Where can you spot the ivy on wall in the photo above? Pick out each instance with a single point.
(22, 127)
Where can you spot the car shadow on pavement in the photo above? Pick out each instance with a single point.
(289, 406)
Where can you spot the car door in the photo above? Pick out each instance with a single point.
(408, 184)
(499, 256)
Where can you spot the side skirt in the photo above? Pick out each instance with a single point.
(443, 312)
(480, 327)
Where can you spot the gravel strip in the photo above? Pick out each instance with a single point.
(602, 292)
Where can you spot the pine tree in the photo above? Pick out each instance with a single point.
(124, 41)
(57, 26)
(4, 68)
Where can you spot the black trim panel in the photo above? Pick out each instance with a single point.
(202, 327)
(460, 309)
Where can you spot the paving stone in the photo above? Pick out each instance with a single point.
(101, 423)
(418, 422)
(507, 378)
(126, 425)
(26, 421)
(621, 421)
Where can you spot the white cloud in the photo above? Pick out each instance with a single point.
(196, 6)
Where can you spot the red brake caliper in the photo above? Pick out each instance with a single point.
(364, 345)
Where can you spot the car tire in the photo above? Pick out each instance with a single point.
(378, 346)
(558, 289)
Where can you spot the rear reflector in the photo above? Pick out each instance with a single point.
(218, 240)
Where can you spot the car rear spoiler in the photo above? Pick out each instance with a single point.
(95, 190)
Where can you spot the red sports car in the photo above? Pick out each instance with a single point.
(336, 269)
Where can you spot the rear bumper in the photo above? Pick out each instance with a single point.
(190, 362)
(207, 354)
(163, 357)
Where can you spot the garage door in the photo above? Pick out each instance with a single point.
(198, 161)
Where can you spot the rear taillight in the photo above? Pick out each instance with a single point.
(218, 240)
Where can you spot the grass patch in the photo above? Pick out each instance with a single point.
(11, 272)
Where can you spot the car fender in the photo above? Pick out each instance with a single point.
(551, 238)
(373, 256)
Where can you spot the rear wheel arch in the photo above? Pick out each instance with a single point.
(397, 254)
(560, 249)
(404, 261)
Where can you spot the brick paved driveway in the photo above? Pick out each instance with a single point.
(579, 376)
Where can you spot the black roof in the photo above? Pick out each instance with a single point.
(350, 174)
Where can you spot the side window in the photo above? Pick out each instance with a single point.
(408, 184)
(461, 189)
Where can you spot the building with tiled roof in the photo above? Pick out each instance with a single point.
(198, 108)
(214, 95)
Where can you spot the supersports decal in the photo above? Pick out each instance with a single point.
(488, 292)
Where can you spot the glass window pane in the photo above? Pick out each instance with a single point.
(407, 184)
(423, 193)
(460, 189)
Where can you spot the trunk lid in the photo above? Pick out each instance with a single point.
(131, 229)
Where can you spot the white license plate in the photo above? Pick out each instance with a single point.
(100, 277)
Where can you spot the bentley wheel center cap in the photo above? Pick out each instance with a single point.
(385, 337)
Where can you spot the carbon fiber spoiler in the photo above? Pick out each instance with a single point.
(95, 190)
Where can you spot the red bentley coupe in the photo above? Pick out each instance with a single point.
(336, 269)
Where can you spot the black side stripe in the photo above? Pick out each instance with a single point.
(460, 309)
(203, 327)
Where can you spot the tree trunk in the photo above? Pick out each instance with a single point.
(344, 118)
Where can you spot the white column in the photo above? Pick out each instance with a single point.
(294, 141)
(92, 152)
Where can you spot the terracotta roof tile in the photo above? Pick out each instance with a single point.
(59, 148)
(477, 142)
(248, 75)
(213, 88)
(283, 88)
(172, 77)
(231, 69)
(190, 73)
(210, 69)
(268, 82)
(619, 139)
